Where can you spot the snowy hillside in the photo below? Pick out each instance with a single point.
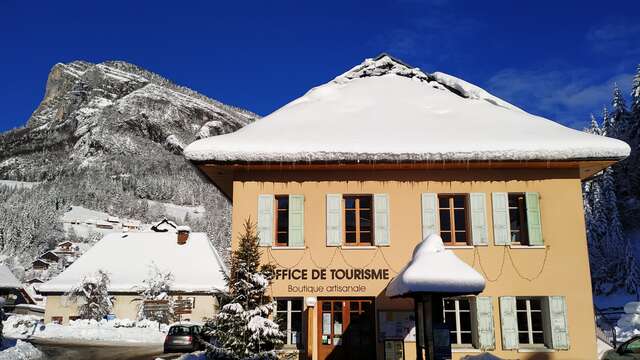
(109, 137)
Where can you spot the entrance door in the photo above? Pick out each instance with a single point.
(346, 329)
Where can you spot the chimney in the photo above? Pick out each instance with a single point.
(183, 234)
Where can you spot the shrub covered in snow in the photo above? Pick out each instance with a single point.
(21, 351)
(156, 287)
(243, 328)
(92, 296)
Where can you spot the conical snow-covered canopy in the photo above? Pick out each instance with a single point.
(434, 269)
(383, 110)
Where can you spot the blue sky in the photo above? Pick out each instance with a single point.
(558, 59)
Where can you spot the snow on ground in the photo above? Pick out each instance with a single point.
(18, 184)
(389, 112)
(21, 350)
(119, 330)
(179, 212)
(629, 323)
(602, 348)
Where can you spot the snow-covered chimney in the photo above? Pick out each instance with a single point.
(183, 234)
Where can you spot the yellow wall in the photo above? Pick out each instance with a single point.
(125, 308)
(559, 268)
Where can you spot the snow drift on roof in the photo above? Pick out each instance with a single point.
(384, 110)
(127, 258)
(433, 269)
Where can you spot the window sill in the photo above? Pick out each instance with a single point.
(534, 349)
(288, 248)
(527, 247)
(346, 247)
(465, 350)
(453, 247)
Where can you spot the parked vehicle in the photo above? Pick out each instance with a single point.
(629, 350)
(183, 338)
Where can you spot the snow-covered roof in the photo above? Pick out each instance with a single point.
(128, 258)
(79, 213)
(383, 110)
(7, 279)
(434, 269)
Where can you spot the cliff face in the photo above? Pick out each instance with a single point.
(90, 111)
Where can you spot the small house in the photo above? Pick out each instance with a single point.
(50, 256)
(40, 264)
(129, 258)
(12, 290)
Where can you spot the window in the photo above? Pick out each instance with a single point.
(332, 322)
(358, 220)
(530, 321)
(457, 315)
(518, 219)
(289, 318)
(57, 319)
(282, 220)
(453, 219)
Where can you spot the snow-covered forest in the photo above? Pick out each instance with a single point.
(612, 200)
(108, 137)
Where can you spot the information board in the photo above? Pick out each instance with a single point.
(396, 325)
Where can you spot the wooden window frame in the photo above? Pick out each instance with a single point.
(288, 313)
(452, 209)
(522, 210)
(457, 328)
(57, 319)
(357, 210)
(527, 312)
(276, 212)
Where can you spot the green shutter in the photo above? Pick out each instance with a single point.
(478, 211)
(296, 220)
(558, 322)
(381, 219)
(533, 218)
(265, 219)
(334, 219)
(509, 322)
(429, 214)
(484, 323)
(501, 230)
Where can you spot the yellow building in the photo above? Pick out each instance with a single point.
(131, 259)
(345, 181)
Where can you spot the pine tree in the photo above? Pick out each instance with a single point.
(619, 115)
(635, 93)
(242, 329)
(92, 296)
(156, 287)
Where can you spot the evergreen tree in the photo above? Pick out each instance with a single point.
(635, 94)
(619, 115)
(242, 329)
(92, 296)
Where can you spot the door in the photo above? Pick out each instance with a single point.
(346, 329)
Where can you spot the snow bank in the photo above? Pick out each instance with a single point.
(433, 269)
(118, 330)
(383, 110)
(21, 351)
(629, 324)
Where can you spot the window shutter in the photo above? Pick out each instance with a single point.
(558, 322)
(501, 230)
(533, 218)
(334, 219)
(429, 214)
(478, 207)
(265, 219)
(509, 322)
(296, 220)
(484, 323)
(381, 219)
